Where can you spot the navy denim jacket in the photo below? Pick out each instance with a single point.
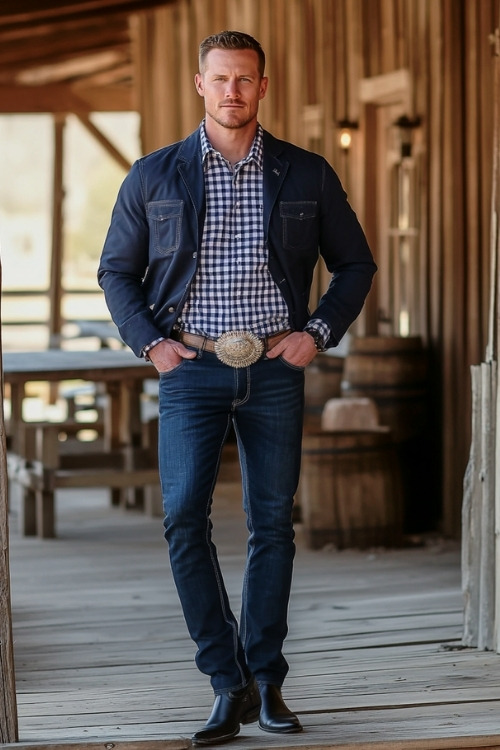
(151, 249)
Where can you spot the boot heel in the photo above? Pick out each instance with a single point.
(251, 715)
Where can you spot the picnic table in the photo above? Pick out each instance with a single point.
(39, 463)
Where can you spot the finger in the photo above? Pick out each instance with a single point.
(291, 344)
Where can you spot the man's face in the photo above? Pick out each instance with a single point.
(232, 87)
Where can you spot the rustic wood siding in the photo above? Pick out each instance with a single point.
(8, 705)
(318, 52)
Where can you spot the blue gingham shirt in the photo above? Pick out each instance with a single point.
(233, 288)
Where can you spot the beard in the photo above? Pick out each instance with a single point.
(232, 120)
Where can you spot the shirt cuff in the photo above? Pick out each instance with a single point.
(148, 347)
(322, 332)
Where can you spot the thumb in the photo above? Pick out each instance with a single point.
(275, 351)
(183, 351)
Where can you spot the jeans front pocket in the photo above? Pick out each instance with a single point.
(288, 364)
(165, 222)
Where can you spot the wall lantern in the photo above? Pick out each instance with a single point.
(405, 127)
(345, 128)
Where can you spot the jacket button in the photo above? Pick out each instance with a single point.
(195, 255)
(171, 309)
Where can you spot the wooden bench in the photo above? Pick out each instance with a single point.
(47, 465)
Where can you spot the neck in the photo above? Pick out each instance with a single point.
(233, 143)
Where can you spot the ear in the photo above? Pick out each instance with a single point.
(263, 87)
(198, 82)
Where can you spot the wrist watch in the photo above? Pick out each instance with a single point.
(318, 339)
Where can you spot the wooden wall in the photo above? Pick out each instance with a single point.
(8, 705)
(330, 60)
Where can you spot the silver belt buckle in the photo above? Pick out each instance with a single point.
(239, 348)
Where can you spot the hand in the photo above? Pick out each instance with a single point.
(168, 353)
(298, 349)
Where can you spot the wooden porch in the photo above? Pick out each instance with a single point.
(102, 654)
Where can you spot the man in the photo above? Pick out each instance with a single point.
(207, 270)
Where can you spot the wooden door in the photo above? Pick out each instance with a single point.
(392, 189)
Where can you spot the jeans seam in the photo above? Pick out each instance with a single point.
(220, 583)
(244, 479)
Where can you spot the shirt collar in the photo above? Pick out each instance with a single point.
(255, 154)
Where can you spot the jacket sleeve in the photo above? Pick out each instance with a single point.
(347, 256)
(124, 264)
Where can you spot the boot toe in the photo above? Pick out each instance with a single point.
(275, 716)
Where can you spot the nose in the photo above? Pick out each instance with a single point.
(232, 89)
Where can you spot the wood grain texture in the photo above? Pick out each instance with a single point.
(8, 706)
(374, 647)
(318, 53)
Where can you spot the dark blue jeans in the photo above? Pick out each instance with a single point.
(199, 400)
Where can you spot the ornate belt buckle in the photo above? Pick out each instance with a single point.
(239, 348)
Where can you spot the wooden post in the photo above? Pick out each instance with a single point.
(481, 507)
(471, 520)
(485, 640)
(55, 320)
(8, 706)
(494, 332)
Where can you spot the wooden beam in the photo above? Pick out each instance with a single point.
(8, 706)
(116, 98)
(33, 12)
(60, 42)
(119, 74)
(71, 68)
(105, 142)
(388, 88)
(61, 98)
(24, 99)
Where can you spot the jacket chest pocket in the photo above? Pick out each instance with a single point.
(165, 222)
(299, 224)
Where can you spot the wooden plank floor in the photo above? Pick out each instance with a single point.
(102, 653)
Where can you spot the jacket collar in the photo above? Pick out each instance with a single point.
(190, 147)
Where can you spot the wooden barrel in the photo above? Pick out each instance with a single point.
(393, 371)
(350, 490)
(322, 382)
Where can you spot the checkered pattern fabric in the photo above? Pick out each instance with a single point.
(233, 288)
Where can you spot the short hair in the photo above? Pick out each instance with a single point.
(231, 40)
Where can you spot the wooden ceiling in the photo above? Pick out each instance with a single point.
(63, 56)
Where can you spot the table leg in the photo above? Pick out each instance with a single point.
(24, 500)
(16, 416)
(47, 448)
(22, 444)
(123, 430)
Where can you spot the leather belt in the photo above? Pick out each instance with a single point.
(234, 348)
